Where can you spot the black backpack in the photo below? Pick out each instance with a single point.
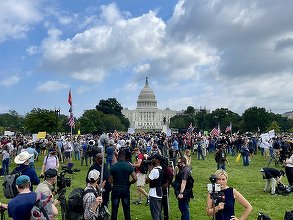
(9, 185)
(262, 216)
(75, 202)
(288, 215)
(282, 189)
(144, 167)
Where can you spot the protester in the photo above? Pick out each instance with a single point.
(289, 169)
(180, 190)
(30, 148)
(141, 177)
(119, 177)
(91, 202)
(23, 165)
(225, 210)
(155, 180)
(5, 160)
(50, 161)
(97, 165)
(272, 177)
(221, 157)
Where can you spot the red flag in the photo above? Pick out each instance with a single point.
(69, 98)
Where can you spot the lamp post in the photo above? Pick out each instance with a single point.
(57, 113)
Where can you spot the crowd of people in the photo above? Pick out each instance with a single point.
(125, 158)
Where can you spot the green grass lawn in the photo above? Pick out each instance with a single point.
(247, 180)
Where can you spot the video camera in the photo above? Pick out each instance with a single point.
(62, 181)
(215, 190)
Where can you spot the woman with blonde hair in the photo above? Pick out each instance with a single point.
(225, 210)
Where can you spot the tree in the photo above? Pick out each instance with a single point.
(255, 118)
(110, 106)
(274, 126)
(40, 120)
(11, 121)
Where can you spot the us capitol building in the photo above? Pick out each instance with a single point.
(147, 116)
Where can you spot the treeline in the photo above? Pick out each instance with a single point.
(107, 116)
(254, 119)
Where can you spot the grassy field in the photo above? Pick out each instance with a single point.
(247, 180)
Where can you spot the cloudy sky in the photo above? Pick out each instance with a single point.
(201, 53)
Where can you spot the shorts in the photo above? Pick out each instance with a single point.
(67, 154)
(140, 179)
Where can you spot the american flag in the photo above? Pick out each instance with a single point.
(228, 128)
(215, 131)
(71, 121)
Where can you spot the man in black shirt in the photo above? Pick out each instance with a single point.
(119, 178)
(272, 177)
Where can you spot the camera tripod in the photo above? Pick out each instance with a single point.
(2, 210)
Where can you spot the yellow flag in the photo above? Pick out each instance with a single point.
(238, 157)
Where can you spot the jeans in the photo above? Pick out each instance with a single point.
(108, 161)
(221, 166)
(156, 208)
(5, 166)
(183, 205)
(76, 155)
(124, 195)
(245, 160)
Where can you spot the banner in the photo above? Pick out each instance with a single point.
(265, 137)
(131, 131)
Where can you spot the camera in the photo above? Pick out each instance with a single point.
(62, 181)
(215, 191)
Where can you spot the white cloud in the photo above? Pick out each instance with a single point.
(10, 81)
(51, 86)
(32, 50)
(16, 18)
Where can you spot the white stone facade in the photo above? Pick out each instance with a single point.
(147, 116)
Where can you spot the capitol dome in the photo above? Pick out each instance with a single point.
(147, 98)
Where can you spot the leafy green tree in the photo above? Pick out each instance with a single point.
(40, 120)
(11, 121)
(91, 122)
(110, 106)
(255, 118)
(274, 126)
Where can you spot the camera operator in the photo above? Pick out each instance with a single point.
(91, 202)
(47, 187)
(225, 210)
(97, 165)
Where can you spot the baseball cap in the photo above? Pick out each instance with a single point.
(94, 174)
(50, 173)
(23, 179)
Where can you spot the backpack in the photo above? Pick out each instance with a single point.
(75, 202)
(262, 216)
(9, 186)
(282, 189)
(144, 166)
(42, 209)
(288, 215)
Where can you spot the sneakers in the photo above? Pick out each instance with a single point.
(147, 202)
(137, 202)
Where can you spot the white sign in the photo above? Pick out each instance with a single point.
(8, 133)
(169, 132)
(272, 134)
(35, 137)
(131, 131)
(265, 137)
